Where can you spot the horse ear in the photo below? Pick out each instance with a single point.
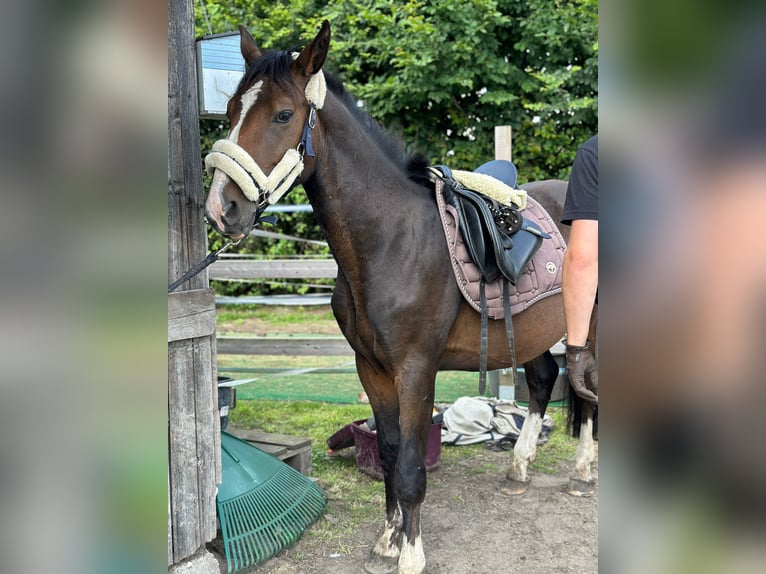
(312, 58)
(250, 50)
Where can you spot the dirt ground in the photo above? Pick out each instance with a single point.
(469, 527)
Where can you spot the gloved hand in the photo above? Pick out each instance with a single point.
(583, 372)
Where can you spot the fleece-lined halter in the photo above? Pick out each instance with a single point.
(259, 188)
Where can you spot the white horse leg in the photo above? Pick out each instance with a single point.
(581, 483)
(524, 453)
(412, 559)
(389, 543)
(385, 554)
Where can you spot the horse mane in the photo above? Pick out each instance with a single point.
(414, 165)
(275, 65)
(272, 64)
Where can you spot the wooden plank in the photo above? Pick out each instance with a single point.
(192, 415)
(170, 524)
(254, 435)
(335, 346)
(206, 419)
(273, 449)
(182, 442)
(503, 143)
(224, 269)
(293, 450)
(187, 237)
(217, 423)
(191, 314)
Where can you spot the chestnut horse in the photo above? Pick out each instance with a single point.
(395, 299)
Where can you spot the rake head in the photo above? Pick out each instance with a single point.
(263, 504)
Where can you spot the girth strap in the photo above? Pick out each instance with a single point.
(509, 328)
(484, 340)
(484, 337)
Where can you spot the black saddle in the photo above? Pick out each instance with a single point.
(501, 169)
(499, 239)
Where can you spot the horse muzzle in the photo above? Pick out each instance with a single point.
(226, 208)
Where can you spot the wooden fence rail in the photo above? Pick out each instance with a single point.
(300, 346)
(228, 269)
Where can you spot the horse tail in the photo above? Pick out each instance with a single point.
(577, 410)
(574, 412)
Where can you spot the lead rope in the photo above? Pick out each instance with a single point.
(211, 258)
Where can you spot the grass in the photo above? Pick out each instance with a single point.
(336, 382)
(273, 313)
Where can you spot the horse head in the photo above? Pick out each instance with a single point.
(270, 145)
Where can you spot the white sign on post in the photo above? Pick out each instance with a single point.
(220, 67)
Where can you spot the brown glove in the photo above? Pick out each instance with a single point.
(583, 372)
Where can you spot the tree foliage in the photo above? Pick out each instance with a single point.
(440, 74)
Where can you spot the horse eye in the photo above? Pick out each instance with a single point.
(283, 117)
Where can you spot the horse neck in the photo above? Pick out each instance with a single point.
(356, 190)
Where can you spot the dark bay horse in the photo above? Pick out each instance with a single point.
(396, 299)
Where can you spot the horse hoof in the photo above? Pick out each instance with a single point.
(577, 487)
(513, 487)
(376, 564)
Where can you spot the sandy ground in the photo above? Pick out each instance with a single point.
(469, 527)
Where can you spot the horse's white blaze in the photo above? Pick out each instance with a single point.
(412, 559)
(586, 452)
(526, 446)
(248, 100)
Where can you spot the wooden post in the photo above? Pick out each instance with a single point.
(503, 150)
(503, 142)
(187, 240)
(194, 434)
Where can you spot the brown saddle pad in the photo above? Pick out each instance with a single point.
(541, 278)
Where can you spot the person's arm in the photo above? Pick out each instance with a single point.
(580, 279)
(579, 283)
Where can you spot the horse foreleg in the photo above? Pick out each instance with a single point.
(411, 486)
(581, 483)
(384, 556)
(416, 397)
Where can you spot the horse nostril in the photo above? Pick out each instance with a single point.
(230, 213)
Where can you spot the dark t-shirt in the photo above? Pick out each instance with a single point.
(582, 192)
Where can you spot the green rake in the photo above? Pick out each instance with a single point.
(263, 504)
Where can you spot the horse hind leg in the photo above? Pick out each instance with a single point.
(540, 374)
(582, 420)
(581, 483)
